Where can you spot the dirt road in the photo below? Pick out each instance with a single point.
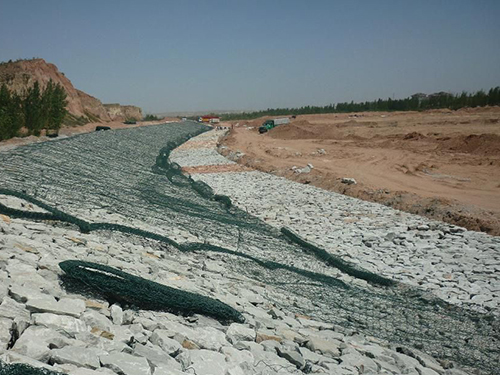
(441, 164)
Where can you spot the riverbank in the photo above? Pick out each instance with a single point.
(301, 315)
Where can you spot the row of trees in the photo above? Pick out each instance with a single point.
(417, 102)
(34, 111)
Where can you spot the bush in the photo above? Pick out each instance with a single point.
(150, 117)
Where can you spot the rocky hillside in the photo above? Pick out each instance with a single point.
(119, 112)
(82, 107)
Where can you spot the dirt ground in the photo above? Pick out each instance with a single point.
(441, 164)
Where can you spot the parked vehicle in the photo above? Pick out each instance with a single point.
(52, 133)
(100, 128)
(269, 124)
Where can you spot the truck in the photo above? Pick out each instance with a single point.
(269, 124)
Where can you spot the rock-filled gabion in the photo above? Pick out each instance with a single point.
(116, 181)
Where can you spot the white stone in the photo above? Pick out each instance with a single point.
(65, 306)
(35, 342)
(243, 358)
(156, 355)
(67, 324)
(164, 369)
(117, 314)
(348, 181)
(13, 357)
(240, 332)
(161, 338)
(206, 362)
(126, 364)
(12, 309)
(82, 357)
(6, 326)
(96, 320)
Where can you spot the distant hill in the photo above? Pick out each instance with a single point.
(82, 107)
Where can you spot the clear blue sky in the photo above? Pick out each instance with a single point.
(199, 55)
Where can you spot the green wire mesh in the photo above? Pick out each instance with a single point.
(116, 286)
(123, 172)
(22, 369)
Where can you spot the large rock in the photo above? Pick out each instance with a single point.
(293, 357)
(119, 112)
(156, 356)
(37, 342)
(22, 293)
(6, 326)
(117, 314)
(206, 362)
(86, 371)
(97, 320)
(167, 370)
(355, 359)
(65, 306)
(12, 309)
(242, 358)
(327, 348)
(208, 338)
(126, 364)
(161, 338)
(82, 357)
(66, 324)
(240, 332)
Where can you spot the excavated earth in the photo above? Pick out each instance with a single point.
(441, 164)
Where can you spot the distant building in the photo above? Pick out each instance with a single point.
(209, 119)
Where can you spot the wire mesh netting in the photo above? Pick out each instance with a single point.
(22, 369)
(123, 181)
(116, 286)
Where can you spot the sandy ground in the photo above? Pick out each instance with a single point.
(68, 131)
(441, 164)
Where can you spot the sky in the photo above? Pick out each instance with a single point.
(193, 55)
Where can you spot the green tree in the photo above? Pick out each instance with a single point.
(33, 110)
(11, 117)
(58, 107)
(46, 104)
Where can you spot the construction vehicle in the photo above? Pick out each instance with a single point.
(269, 124)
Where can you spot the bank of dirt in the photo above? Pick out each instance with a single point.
(441, 164)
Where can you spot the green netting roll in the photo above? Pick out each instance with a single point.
(337, 262)
(224, 199)
(202, 188)
(116, 286)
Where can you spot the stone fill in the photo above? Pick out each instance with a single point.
(319, 321)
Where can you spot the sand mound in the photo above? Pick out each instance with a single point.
(301, 129)
(482, 144)
(352, 123)
(414, 136)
